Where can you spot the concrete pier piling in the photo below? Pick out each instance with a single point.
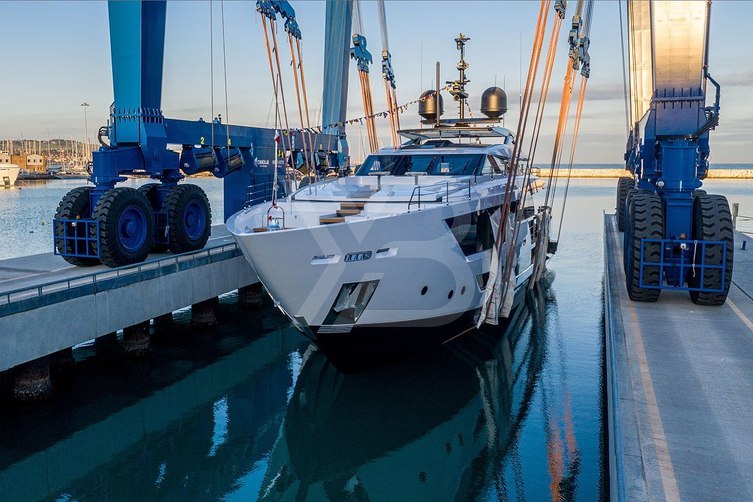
(36, 292)
(62, 360)
(204, 314)
(136, 340)
(32, 380)
(251, 297)
(106, 345)
(163, 321)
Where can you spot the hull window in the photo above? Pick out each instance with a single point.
(473, 231)
(350, 303)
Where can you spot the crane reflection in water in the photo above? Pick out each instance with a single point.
(439, 427)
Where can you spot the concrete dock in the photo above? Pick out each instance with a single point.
(47, 305)
(679, 388)
(595, 172)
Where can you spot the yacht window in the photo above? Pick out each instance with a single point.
(504, 164)
(473, 231)
(420, 164)
(457, 165)
(491, 166)
(436, 165)
(392, 164)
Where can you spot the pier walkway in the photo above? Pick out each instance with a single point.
(680, 388)
(47, 305)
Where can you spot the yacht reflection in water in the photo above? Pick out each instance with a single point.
(431, 428)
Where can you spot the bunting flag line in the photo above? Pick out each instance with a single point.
(400, 109)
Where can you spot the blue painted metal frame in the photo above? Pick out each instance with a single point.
(667, 152)
(681, 268)
(139, 133)
(338, 21)
(85, 245)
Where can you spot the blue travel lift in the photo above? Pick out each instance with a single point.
(675, 235)
(117, 226)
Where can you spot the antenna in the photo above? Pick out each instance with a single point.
(520, 74)
(458, 86)
(436, 97)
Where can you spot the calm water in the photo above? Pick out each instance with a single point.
(249, 410)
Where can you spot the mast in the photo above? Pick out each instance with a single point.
(457, 89)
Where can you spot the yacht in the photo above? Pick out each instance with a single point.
(8, 174)
(425, 242)
(400, 254)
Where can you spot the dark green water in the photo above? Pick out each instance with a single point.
(249, 411)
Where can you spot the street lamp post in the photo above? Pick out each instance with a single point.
(86, 132)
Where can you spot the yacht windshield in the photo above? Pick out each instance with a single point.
(434, 165)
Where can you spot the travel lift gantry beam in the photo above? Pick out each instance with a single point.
(118, 225)
(676, 236)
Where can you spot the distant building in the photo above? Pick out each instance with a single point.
(31, 163)
(4, 158)
(35, 163)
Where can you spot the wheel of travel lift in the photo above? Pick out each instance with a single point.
(645, 221)
(626, 234)
(73, 206)
(126, 226)
(623, 185)
(189, 218)
(149, 190)
(712, 221)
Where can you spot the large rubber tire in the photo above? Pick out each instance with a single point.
(189, 218)
(626, 235)
(645, 221)
(126, 226)
(73, 206)
(149, 190)
(712, 221)
(623, 185)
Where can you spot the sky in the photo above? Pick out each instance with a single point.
(56, 55)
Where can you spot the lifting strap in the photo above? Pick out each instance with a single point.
(276, 77)
(515, 158)
(363, 59)
(306, 138)
(389, 77)
(311, 161)
(511, 251)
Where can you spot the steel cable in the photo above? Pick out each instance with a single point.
(541, 23)
(300, 107)
(224, 69)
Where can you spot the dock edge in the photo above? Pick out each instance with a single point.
(626, 473)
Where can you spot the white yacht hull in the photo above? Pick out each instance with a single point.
(425, 287)
(8, 175)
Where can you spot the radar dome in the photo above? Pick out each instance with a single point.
(427, 105)
(494, 102)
